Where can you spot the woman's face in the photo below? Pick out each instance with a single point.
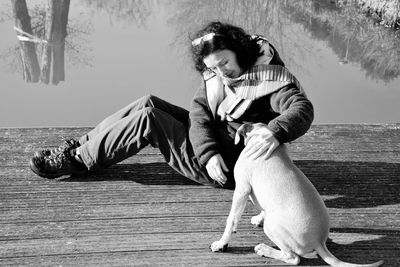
(223, 63)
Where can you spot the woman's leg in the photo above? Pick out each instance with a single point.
(149, 125)
(146, 101)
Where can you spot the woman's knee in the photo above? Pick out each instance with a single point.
(148, 100)
(154, 115)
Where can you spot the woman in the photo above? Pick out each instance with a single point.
(245, 81)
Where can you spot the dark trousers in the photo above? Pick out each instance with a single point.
(149, 120)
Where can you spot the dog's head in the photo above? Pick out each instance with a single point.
(244, 130)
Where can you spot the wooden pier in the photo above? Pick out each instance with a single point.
(142, 213)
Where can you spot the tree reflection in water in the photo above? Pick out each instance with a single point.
(42, 31)
(347, 31)
(353, 37)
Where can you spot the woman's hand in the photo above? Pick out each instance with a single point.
(215, 167)
(260, 142)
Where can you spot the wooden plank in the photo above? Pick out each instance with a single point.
(183, 257)
(349, 244)
(383, 220)
(382, 217)
(116, 243)
(93, 212)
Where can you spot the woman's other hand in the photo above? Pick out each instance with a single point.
(216, 167)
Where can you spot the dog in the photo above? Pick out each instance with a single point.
(295, 216)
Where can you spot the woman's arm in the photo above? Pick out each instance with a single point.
(296, 113)
(201, 131)
(202, 138)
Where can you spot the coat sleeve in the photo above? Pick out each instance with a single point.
(201, 131)
(296, 114)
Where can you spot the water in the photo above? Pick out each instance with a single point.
(117, 51)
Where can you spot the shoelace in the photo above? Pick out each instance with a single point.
(58, 160)
(68, 143)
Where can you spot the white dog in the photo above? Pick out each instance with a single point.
(296, 218)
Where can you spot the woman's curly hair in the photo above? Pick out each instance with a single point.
(228, 37)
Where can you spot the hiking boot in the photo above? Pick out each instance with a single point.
(56, 165)
(68, 144)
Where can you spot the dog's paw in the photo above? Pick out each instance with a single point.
(258, 220)
(218, 246)
(262, 250)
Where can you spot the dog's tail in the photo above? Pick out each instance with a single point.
(329, 258)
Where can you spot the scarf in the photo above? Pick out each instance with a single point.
(230, 98)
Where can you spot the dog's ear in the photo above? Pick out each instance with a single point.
(242, 130)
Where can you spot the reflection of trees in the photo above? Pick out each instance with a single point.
(262, 17)
(130, 11)
(45, 23)
(55, 32)
(53, 43)
(30, 64)
(351, 34)
(344, 29)
(76, 43)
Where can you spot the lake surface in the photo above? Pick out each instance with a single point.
(118, 51)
